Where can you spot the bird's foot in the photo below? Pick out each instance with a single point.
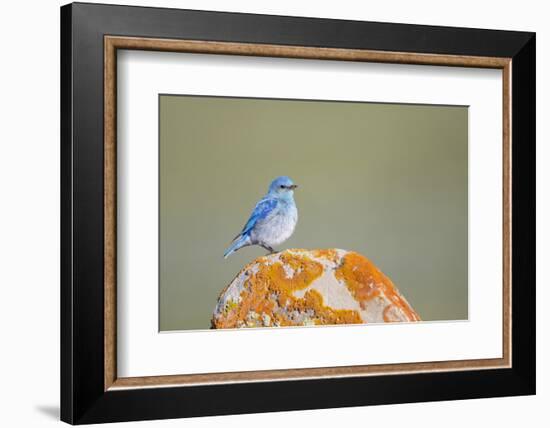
(268, 248)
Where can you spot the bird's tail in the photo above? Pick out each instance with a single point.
(239, 242)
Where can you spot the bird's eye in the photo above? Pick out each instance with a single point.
(281, 186)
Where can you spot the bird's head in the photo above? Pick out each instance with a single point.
(282, 186)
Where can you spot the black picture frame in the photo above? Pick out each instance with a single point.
(83, 398)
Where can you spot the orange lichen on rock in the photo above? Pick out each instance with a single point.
(317, 287)
(330, 254)
(268, 288)
(324, 314)
(366, 283)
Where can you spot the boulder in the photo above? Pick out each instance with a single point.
(310, 287)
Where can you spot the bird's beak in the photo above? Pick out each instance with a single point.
(293, 186)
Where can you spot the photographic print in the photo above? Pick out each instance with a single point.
(288, 212)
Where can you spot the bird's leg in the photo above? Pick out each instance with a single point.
(268, 248)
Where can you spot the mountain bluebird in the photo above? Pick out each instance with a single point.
(272, 221)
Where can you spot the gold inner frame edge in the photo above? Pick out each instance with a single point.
(113, 43)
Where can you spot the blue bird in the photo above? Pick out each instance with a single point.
(273, 219)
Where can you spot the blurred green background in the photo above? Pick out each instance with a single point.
(387, 180)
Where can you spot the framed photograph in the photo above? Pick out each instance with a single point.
(264, 213)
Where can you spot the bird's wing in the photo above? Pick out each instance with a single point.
(261, 211)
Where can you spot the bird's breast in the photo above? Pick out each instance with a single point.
(278, 227)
